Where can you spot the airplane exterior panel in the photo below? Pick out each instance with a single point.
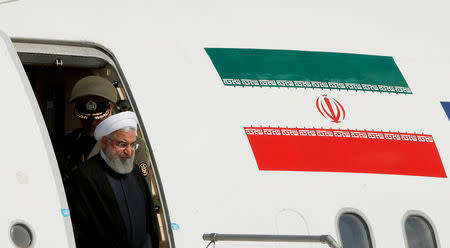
(33, 196)
(196, 118)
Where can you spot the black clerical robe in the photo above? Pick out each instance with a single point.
(96, 216)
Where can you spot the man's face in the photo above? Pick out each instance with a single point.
(122, 144)
(95, 103)
(119, 150)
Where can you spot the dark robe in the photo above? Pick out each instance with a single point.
(97, 219)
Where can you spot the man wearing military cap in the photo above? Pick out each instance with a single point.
(94, 99)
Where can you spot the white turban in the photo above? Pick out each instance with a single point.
(114, 123)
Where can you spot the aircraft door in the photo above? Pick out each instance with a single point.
(34, 207)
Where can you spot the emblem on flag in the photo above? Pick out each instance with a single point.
(330, 108)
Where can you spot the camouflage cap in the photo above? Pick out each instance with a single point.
(94, 86)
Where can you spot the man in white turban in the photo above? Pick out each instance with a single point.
(109, 200)
(119, 128)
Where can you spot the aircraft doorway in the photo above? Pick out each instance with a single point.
(52, 70)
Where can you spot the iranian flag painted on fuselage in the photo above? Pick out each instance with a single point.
(358, 116)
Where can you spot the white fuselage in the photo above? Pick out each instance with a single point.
(195, 124)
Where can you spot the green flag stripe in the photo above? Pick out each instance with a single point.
(301, 69)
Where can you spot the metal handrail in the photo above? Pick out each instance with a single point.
(325, 239)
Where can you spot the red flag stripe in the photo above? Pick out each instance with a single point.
(353, 151)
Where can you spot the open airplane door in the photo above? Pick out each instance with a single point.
(34, 207)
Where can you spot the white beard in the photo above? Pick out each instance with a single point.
(121, 166)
